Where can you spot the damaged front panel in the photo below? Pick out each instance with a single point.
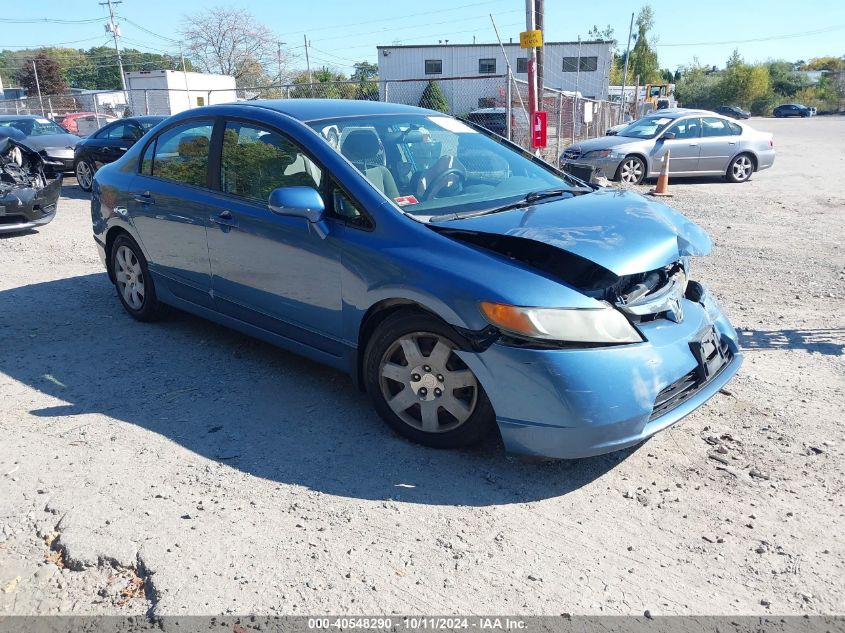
(29, 188)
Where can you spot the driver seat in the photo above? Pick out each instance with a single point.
(362, 148)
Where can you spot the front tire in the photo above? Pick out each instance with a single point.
(420, 387)
(740, 168)
(84, 175)
(631, 170)
(133, 281)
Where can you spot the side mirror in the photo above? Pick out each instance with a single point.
(303, 202)
(668, 136)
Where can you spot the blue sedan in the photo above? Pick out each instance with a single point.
(463, 283)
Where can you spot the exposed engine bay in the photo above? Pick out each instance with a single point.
(29, 187)
(642, 296)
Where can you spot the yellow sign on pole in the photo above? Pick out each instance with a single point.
(531, 39)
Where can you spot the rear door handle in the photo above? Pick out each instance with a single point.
(693, 144)
(144, 198)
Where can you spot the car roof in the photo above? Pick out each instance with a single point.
(677, 113)
(18, 117)
(145, 117)
(316, 109)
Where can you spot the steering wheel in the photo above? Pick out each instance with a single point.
(451, 178)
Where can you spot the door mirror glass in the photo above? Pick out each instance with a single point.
(303, 202)
(668, 136)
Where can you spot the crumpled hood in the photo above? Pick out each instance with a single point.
(603, 142)
(620, 230)
(63, 141)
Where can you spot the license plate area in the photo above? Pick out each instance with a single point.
(709, 353)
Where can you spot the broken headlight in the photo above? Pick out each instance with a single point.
(599, 325)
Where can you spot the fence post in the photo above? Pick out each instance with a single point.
(559, 124)
(146, 102)
(50, 105)
(509, 107)
(287, 92)
(386, 84)
(96, 111)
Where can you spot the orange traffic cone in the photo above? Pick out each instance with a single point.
(662, 188)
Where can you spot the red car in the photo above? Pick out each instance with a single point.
(84, 123)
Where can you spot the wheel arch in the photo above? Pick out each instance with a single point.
(373, 317)
(111, 235)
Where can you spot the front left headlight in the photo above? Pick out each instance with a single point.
(598, 325)
(600, 153)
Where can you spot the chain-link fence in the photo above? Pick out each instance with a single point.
(490, 100)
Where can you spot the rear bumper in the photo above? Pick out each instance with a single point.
(27, 208)
(765, 159)
(572, 403)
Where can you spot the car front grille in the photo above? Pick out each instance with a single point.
(683, 389)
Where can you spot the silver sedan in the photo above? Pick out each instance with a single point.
(701, 143)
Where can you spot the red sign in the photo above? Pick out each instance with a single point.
(538, 129)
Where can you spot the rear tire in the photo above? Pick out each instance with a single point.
(741, 168)
(133, 281)
(420, 387)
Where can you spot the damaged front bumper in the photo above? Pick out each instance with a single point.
(579, 402)
(27, 207)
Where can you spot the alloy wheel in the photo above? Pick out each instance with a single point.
(631, 171)
(426, 384)
(742, 168)
(129, 277)
(84, 175)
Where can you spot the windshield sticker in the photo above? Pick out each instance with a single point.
(43, 121)
(452, 125)
(662, 121)
(404, 201)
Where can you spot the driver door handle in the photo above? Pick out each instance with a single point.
(224, 218)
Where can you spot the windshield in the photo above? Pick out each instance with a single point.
(34, 127)
(436, 165)
(648, 127)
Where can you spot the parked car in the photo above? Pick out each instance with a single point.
(496, 120)
(83, 123)
(44, 134)
(29, 184)
(702, 143)
(792, 109)
(485, 288)
(734, 112)
(107, 145)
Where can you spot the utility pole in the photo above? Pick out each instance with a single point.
(38, 87)
(625, 72)
(307, 61)
(114, 29)
(532, 61)
(538, 24)
(185, 75)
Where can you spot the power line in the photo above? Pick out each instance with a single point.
(761, 39)
(49, 20)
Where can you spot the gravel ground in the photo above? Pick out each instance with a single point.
(180, 468)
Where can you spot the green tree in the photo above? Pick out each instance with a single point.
(433, 98)
(644, 60)
(364, 71)
(825, 63)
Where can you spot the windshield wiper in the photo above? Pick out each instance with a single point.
(527, 200)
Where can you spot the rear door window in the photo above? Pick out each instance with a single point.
(714, 126)
(181, 153)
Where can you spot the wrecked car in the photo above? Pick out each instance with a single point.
(466, 285)
(29, 185)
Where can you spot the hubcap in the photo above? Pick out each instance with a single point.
(129, 277)
(83, 175)
(425, 383)
(742, 168)
(632, 171)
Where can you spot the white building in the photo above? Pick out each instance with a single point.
(171, 91)
(103, 101)
(568, 66)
